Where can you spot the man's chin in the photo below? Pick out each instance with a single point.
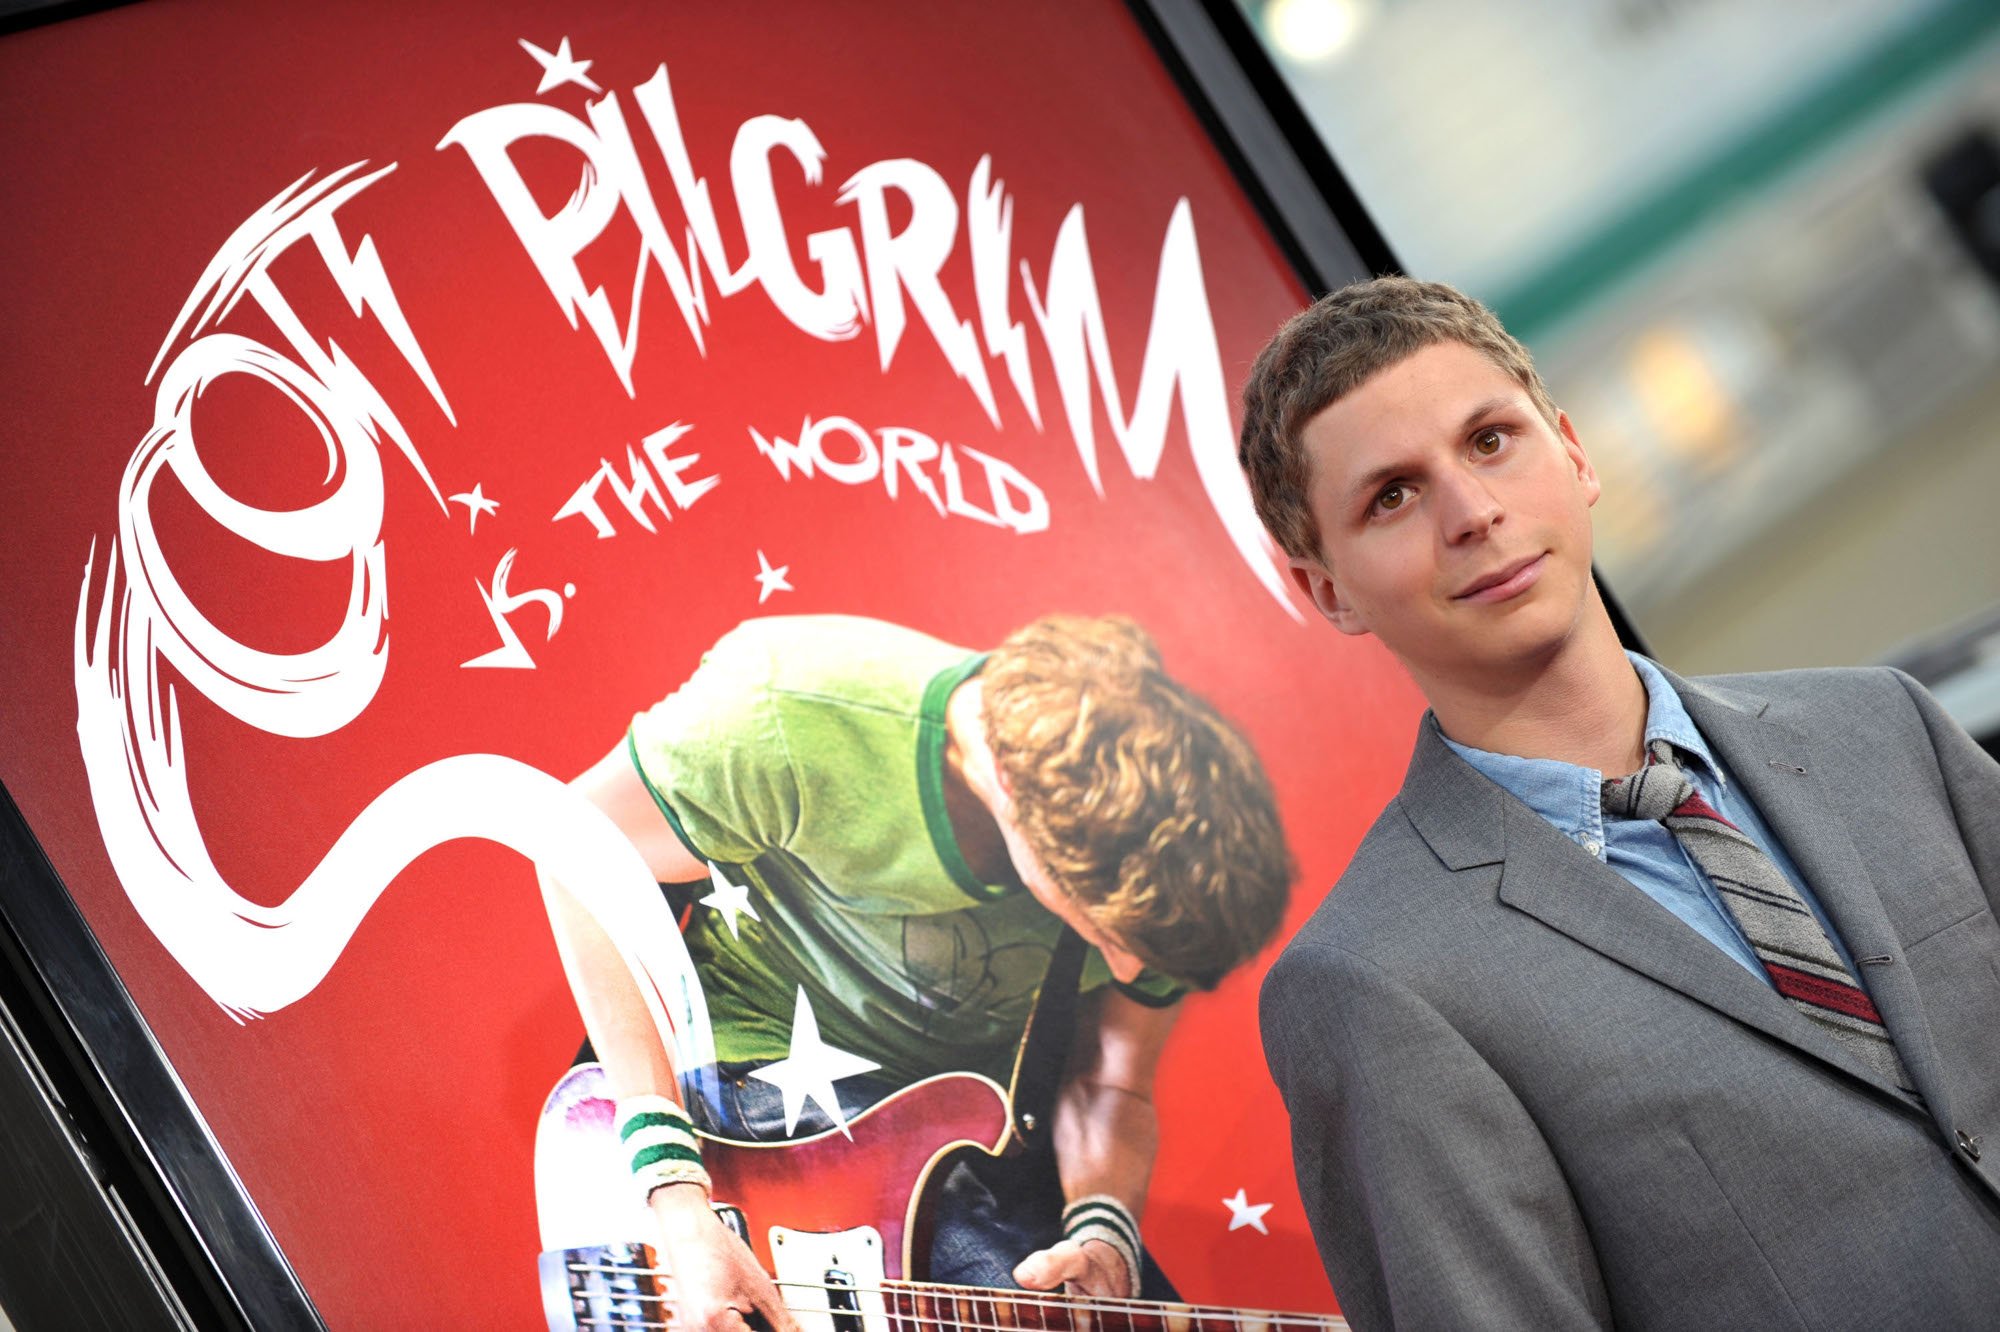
(1499, 654)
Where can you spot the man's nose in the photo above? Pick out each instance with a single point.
(1467, 508)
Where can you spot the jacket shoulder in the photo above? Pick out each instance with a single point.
(1388, 896)
(1815, 687)
(1854, 701)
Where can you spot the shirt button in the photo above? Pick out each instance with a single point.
(1969, 1145)
(1592, 845)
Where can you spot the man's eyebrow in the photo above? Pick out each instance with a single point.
(1485, 409)
(1365, 486)
(1374, 479)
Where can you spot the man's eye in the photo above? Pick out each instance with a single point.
(1392, 497)
(1488, 442)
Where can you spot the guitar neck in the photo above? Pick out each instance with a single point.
(913, 1306)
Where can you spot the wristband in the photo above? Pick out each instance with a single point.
(1102, 1217)
(657, 1140)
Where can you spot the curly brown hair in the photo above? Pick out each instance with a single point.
(1331, 348)
(1140, 799)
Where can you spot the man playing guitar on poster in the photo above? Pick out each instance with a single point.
(917, 825)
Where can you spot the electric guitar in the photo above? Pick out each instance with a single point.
(860, 1211)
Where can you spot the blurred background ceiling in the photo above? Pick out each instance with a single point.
(1755, 248)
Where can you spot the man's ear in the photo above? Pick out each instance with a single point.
(1314, 580)
(1586, 475)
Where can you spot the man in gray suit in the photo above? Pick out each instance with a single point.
(1648, 1001)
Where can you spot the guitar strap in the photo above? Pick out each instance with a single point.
(1044, 1054)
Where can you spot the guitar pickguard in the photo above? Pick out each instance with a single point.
(832, 1282)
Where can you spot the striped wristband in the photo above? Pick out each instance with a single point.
(658, 1142)
(1103, 1217)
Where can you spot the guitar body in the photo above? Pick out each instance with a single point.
(828, 1181)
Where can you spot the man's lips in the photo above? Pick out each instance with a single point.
(1507, 581)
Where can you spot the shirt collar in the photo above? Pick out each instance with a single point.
(932, 736)
(1667, 718)
(1567, 794)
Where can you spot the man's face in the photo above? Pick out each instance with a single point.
(1454, 520)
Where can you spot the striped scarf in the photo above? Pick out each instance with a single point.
(1781, 929)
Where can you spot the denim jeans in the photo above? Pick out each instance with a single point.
(991, 1213)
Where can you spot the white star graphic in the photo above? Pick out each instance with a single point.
(812, 1070)
(1242, 1213)
(475, 503)
(732, 900)
(559, 68)
(770, 580)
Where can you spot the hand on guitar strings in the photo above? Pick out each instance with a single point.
(1089, 1268)
(718, 1284)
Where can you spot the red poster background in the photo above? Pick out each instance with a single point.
(384, 1123)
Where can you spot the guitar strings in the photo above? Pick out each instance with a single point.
(968, 1321)
(934, 1318)
(1053, 1299)
(897, 1315)
(1033, 1301)
(1071, 1303)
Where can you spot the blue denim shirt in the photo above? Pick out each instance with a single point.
(1644, 852)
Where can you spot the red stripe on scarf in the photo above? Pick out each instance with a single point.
(1838, 996)
(1696, 808)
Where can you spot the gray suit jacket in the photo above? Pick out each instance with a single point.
(1523, 1094)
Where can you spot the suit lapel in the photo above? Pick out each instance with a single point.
(1784, 775)
(1470, 822)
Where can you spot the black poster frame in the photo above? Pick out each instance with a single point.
(149, 1144)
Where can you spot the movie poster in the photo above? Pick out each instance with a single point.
(470, 466)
